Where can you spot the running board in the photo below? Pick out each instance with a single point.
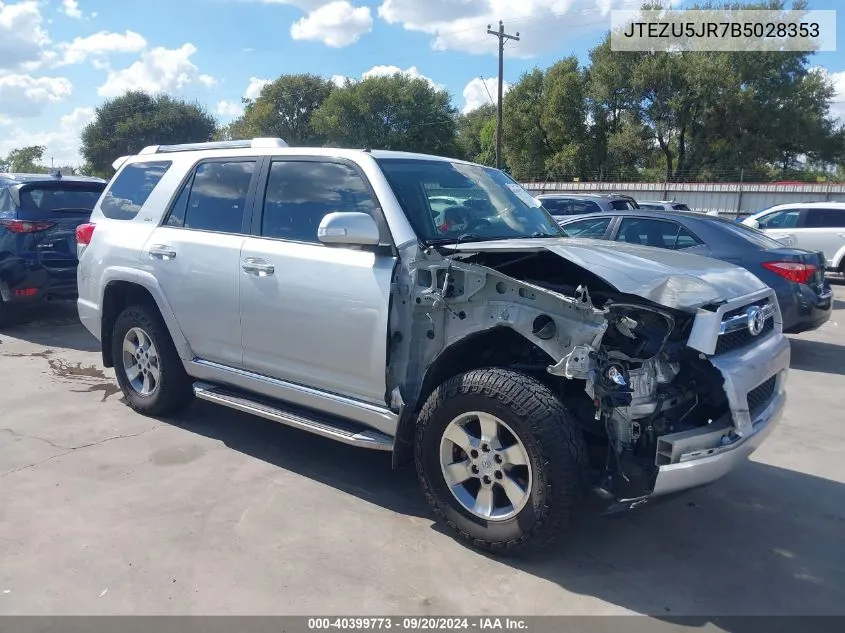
(297, 417)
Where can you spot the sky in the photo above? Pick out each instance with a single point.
(60, 59)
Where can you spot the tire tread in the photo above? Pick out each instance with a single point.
(565, 460)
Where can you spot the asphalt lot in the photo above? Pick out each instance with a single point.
(103, 511)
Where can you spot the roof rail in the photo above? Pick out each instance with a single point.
(256, 143)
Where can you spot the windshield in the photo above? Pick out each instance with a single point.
(750, 234)
(68, 198)
(622, 205)
(445, 201)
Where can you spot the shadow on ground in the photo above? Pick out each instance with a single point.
(764, 540)
(55, 325)
(817, 356)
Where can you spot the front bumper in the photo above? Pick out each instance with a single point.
(705, 454)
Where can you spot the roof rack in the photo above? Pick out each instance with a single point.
(256, 143)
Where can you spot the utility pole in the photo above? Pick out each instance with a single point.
(502, 37)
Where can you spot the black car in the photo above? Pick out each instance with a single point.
(561, 205)
(39, 214)
(796, 275)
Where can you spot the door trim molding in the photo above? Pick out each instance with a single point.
(379, 418)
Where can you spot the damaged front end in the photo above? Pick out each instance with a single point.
(653, 387)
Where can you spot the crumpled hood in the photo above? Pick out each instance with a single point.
(670, 278)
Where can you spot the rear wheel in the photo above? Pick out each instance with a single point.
(146, 363)
(500, 459)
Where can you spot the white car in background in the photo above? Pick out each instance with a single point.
(814, 226)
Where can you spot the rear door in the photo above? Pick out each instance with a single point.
(195, 255)
(823, 230)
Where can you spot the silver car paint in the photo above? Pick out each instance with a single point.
(641, 271)
(333, 299)
(348, 382)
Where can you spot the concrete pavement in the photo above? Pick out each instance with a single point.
(103, 511)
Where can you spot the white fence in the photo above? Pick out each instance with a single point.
(723, 198)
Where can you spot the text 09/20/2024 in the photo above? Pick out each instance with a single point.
(421, 623)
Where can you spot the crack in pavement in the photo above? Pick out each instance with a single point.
(68, 449)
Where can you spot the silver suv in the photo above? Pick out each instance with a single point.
(431, 308)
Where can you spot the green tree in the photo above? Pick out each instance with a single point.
(545, 123)
(25, 160)
(284, 109)
(126, 124)
(389, 112)
(472, 141)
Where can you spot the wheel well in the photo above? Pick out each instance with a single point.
(118, 296)
(496, 347)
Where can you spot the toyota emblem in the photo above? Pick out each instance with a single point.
(756, 321)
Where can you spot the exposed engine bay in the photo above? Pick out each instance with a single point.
(620, 362)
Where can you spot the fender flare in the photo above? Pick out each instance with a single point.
(149, 283)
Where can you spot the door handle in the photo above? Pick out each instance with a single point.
(162, 251)
(256, 266)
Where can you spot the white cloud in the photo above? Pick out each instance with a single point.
(229, 109)
(388, 71)
(336, 24)
(62, 143)
(71, 9)
(339, 80)
(22, 38)
(837, 108)
(207, 80)
(480, 92)
(101, 44)
(159, 70)
(461, 24)
(26, 96)
(253, 89)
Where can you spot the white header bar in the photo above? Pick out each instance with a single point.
(722, 30)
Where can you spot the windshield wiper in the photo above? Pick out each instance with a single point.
(463, 237)
(544, 234)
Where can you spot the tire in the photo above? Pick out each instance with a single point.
(172, 390)
(4, 314)
(552, 482)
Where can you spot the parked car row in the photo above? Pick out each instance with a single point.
(431, 308)
(39, 214)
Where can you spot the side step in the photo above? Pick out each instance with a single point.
(297, 417)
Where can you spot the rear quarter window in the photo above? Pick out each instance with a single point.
(128, 192)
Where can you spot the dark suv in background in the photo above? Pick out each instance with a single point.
(39, 214)
(564, 204)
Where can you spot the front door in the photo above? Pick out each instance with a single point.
(312, 314)
(195, 255)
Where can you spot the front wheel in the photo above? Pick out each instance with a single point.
(500, 459)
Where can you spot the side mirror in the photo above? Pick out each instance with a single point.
(754, 224)
(348, 228)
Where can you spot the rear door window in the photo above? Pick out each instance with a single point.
(131, 189)
(657, 233)
(215, 197)
(825, 219)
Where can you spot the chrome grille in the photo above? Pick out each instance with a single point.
(735, 331)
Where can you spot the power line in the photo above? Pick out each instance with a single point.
(502, 36)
